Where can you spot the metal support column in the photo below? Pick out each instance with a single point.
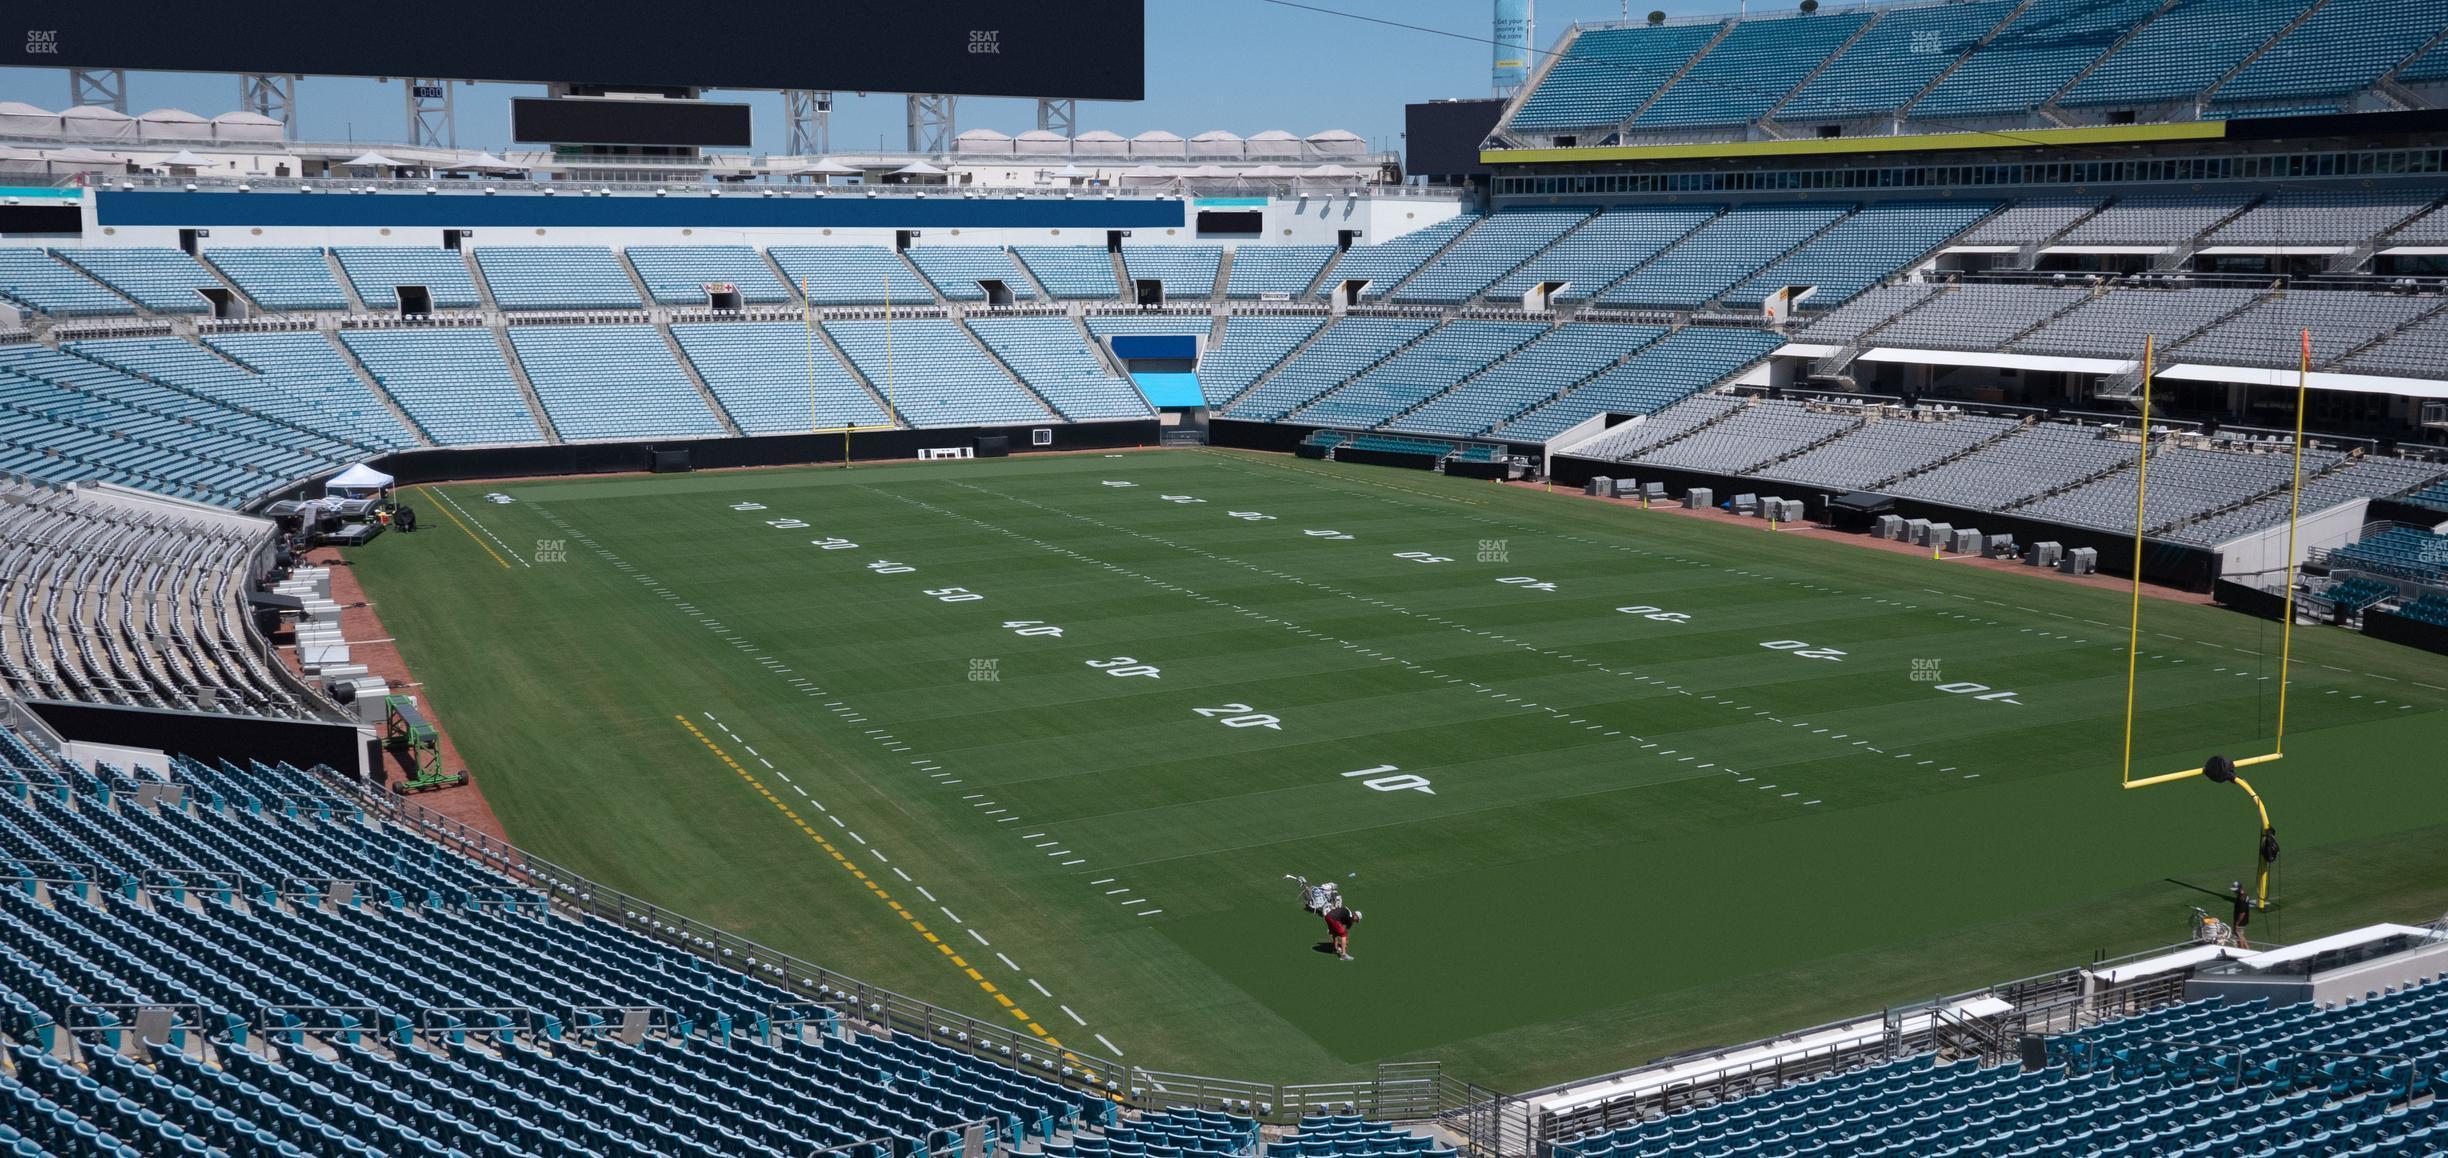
(1058, 115)
(273, 95)
(105, 87)
(931, 126)
(430, 123)
(807, 115)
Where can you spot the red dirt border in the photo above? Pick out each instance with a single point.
(371, 645)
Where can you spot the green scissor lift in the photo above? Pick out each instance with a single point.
(405, 731)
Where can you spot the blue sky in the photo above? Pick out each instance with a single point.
(1240, 65)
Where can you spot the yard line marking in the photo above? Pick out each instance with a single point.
(981, 938)
(1075, 1017)
(948, 913)
(922, 892)
(1041, 990)
(1106, 881)
(1107, 1043)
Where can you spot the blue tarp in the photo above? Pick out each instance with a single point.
(1170, 389)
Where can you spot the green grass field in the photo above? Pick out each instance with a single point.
(1639, 834)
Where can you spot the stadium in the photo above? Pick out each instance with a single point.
(1853, 578)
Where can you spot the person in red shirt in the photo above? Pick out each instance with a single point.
(1339, 919)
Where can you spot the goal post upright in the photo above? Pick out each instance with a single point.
(2286, 646)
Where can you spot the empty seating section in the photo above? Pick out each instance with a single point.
(2429, 68)
(1888, 446)
(452, 383)
(1350, 1136)
(1265, 270)
(2429, 229)
(1453, 352)
(69, 419)
(1348, 347)
(1872, 308)
(2358, 593)
(603, 382)
(1049, 355)
(310, 382)
(1676, 366)
(1186, 271)
(1761, 433)
(1501, 242)
(1860, 251)
(240, 938)
(1897, 58)
(1748, 71)
(2342, 48)
(556, 277)
(1070, 271)
(1923, 1106)
(2031, 220)
(34, 279)
(1252, 345)
(2183, 51)
(2185, 483)
(1383, 266)
(2022, 66)
(1976, 317)
(1182, 1132)
(195, 370)
(1535, 373)
(2320, 218)
(161, 280)
(2356, 478)
(1720, 254)
(677, 275)
(1593, 256)
(2418, 351)
(2025, 463)
(772, 378)
(281, 277)
(1675, 421)
(2269, 334)
(2162, 220)
(957, 270)
(138, 603)
(937, 375)
(2114, 325)
(2408, 552)
(1606, 74)
(377, 271)
(854, 275)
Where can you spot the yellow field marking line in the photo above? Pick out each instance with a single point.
(911, 918)
(471, 534)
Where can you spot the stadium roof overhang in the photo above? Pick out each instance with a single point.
(2000, 360)
(2271, 250)
(1867, 146)
(2344, 383)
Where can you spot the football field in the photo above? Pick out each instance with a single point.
(1038, 739)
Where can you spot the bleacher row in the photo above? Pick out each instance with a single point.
(1642, 257)
(1936, 66)
(130, 603)
(2202, 491)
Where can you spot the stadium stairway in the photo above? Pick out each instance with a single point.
(1904, 110)
(2124, 37)
(1126, 290)
(1966, 452)
(1224, 262)
(646, 299)
(1290, 356)
(1469, 378)
(484, 299)
(1591, 297)
(850, 365)
(518, 373)
(1481, 298)
(1767, 116)
(1389, 295)
(1053, 412)
(1724, 29)
(348, 357)
(688, 369)
(348, 289)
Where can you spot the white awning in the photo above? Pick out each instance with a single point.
(358, 477)
(2000, 360)
(918, 169)
(2174, 962)
(1811, 350)
(2106, 249)
(1982, 249)
(2346, 940)
(2271, 250)
(2319, 380)
(2416, 251)
(371, 160)
(184, 159)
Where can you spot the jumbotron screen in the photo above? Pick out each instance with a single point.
(1088, 49)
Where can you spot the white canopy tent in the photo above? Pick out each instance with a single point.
(95, 123)
(357, 482)
(246, 126)
(19, 119)
(173, 125)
